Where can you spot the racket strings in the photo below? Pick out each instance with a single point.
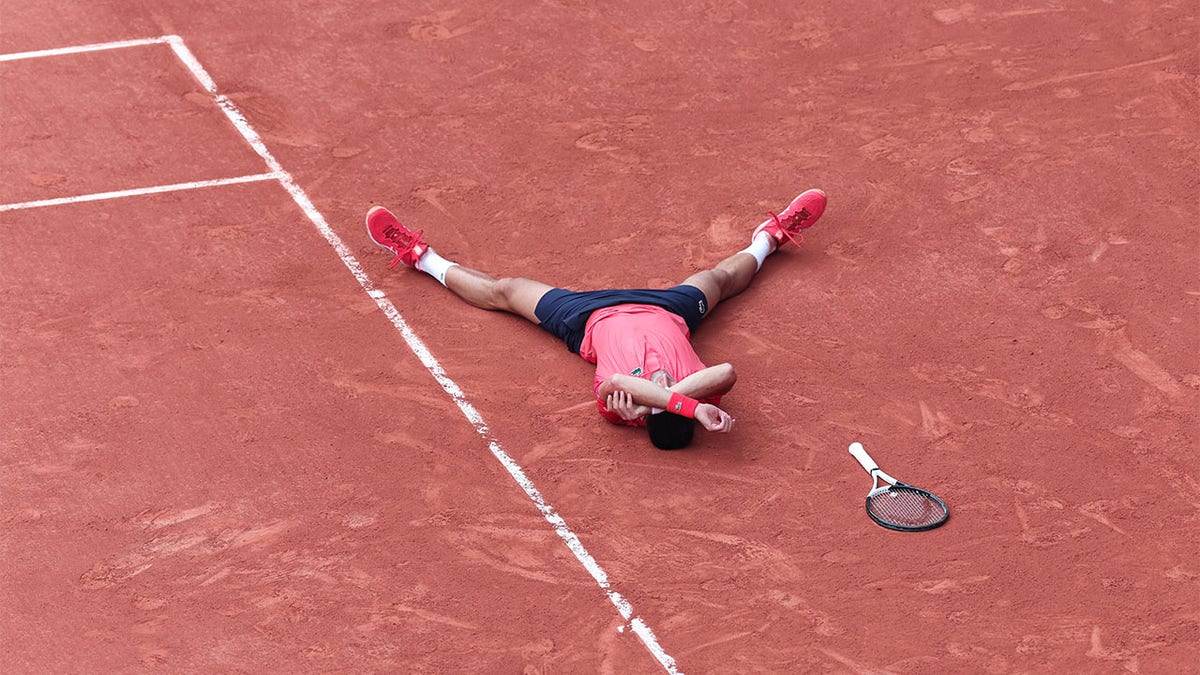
(906, 507)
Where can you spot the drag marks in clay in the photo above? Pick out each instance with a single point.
(441, 26)
(1046, 521)
(1113, 340)
(198, 538)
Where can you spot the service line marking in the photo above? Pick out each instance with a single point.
(634, 623)
(139, 191)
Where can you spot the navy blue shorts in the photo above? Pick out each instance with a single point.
(564, 313)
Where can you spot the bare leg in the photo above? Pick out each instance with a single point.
(518, 296)
(730, 277)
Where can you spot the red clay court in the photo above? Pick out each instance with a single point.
(232, 440)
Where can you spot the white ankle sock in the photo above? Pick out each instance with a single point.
(434, 265)
(762, 246)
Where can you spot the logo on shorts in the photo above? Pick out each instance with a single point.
(637, 371)
(702, 307)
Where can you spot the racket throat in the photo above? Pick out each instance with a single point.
(877, 474)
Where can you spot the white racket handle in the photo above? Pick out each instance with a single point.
(868, 464)
(860, 453)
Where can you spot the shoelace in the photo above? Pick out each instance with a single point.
(403, 244)
(785, 226)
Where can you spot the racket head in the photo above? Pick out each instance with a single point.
(906, 508)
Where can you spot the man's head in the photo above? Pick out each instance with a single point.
(668, 431)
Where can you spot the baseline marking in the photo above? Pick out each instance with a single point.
(139, 191)
(635, 623)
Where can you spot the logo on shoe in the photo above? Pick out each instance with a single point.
(799, 218)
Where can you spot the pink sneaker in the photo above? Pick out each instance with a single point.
(801, 214)
(385, 230)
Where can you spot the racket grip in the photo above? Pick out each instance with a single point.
(860, 453)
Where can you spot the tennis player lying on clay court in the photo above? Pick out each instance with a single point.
(647, 373)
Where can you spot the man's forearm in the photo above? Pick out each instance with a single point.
(643, 392)
(711, 381)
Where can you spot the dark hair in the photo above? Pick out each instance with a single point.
(669, 431)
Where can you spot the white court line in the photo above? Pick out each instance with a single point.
(17, 56)
(422, 352)
(636, 624)
(139, 191)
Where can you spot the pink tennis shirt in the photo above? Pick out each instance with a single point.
(637, 340)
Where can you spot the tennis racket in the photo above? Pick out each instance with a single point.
(898, 506)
